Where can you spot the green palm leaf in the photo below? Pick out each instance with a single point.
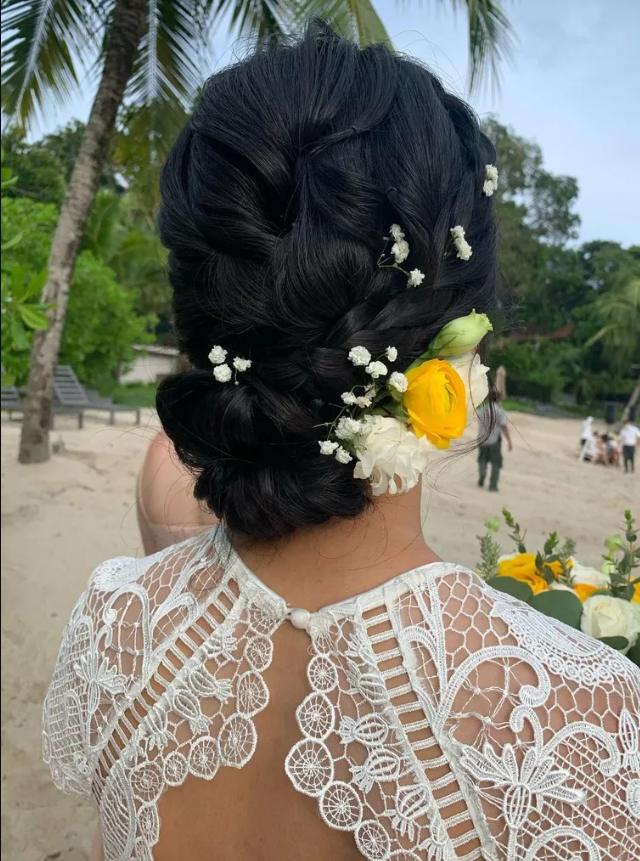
(168, 65)
(491, 39)
(38, 66)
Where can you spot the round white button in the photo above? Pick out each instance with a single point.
(300, 618)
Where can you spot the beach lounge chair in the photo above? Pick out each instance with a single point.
(69, 396)
(72, 396)
(98, 402)
(11, 401)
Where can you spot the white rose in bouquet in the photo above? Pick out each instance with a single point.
(606, 616)
(589, 576)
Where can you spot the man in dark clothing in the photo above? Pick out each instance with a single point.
(493, 424)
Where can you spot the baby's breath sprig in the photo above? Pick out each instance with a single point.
(364, 400)
(221, 370)
(399, 253)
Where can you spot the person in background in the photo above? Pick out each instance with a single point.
(629, 436)
(493, 424)
(601, 448)
(165, 505)
(587, 431)
(613, 451)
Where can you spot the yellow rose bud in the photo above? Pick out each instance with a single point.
(461, 335)
(636, 594)
(436, 402)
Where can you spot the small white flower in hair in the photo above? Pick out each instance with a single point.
(359, 356)
(398, 381)
(400, 250)
(349, 399)
(463, 248)
(376, 369)
(342, 455)
(327, 447)
(217, 355)
(241, 364)
(347, 428)
(363, 401)
(222, 373)
(396, 233)
(392, 354)
(416, 277)
(491, 180)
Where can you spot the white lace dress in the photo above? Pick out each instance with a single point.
(444, 721)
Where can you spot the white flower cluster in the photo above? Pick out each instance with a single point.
(400, 252)
(221, 371)
(463, 249)
(490, 180)
(400, 247)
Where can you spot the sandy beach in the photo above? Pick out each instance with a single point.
(60, 519)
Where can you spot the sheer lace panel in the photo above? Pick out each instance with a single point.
(444, 721)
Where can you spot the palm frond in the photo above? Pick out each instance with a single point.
(491, 39)
(255, 18)
(168, 68)
(354, 19)
(367, 23)
(38, 66)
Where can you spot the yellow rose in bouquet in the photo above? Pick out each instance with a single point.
(604, 602)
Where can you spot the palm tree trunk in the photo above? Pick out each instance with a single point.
(126, 30)
(633, 400)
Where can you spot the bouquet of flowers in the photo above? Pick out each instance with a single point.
(603, 602)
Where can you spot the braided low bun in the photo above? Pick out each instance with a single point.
(276, 199)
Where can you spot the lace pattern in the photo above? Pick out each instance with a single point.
(444, 721)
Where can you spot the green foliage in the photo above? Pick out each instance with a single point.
(624, 559)
(561, 605)
(101, 325)
(515, 588)
(517, 534)
(490, 553)
(136, 394)
(40, 175)
(20, 313)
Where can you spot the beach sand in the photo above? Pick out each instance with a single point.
(60, 519)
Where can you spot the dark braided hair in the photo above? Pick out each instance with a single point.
(276, 199)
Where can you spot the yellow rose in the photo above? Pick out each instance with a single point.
(636, 594)
(522, 566)
(556, 567)
(584, 590)
(435, 401)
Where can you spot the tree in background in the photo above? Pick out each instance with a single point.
(150, 53)
(102, 323)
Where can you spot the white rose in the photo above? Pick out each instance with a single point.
(388, 453)
(591, 576)
(606, 616)
(474, 376)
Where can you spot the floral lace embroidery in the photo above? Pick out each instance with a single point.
(429, 694)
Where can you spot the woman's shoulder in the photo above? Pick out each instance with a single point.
(131, 612)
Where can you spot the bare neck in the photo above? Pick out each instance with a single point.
(318, 566)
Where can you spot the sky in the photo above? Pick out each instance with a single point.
(573, 86)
